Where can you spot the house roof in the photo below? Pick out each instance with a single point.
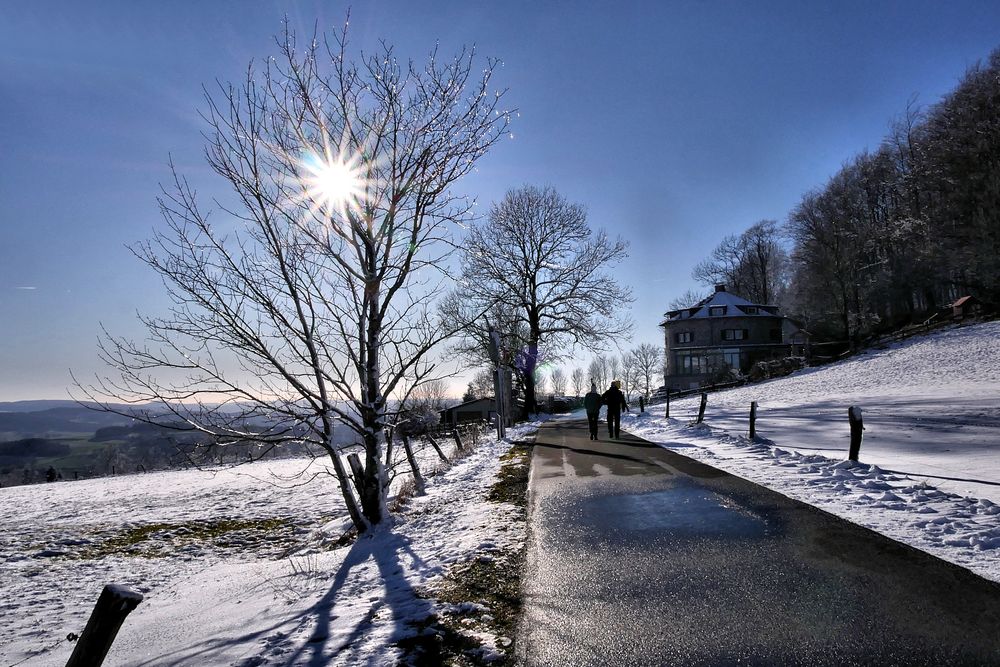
(963, 300)
(735, 306)
(469, 403)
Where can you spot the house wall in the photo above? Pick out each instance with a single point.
(707, 336)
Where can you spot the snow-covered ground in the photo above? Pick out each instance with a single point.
(236, 565)
(929, 471)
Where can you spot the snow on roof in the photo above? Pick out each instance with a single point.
(721, 298)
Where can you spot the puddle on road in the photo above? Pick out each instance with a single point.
(682, 510)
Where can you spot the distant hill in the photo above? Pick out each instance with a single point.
(35, 406)
(66, 419)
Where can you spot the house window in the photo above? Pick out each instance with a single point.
(732, 358)
(716, 310)
(775, 335)
(734, 334)
(685, 337)
(691, 363)
(750, 310)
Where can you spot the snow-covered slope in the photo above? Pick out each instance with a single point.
(930, 460)
(234, 563)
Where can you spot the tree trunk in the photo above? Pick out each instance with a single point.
(530, 364)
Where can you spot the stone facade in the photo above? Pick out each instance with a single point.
(706, 342)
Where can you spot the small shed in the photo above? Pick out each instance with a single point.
(966, 306)
(480, 409)
(799, 343)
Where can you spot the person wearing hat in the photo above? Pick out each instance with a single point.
(592, 403)
(615, 400)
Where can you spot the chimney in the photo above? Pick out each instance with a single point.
(720, 288)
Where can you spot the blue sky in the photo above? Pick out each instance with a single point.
(674, 123)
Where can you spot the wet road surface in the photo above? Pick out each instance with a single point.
(640, 556)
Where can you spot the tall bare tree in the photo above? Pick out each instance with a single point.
(577, 379)
(537, 254)
(648, 360)
(558, 378)
(309, 303)
(752, 264)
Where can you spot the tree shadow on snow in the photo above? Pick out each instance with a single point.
(281, 641)
(398, 597)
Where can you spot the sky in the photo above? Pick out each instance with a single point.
(674, 124)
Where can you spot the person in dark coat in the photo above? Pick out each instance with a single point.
(592, 403)
(615, 400)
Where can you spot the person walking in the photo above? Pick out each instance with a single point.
(592, 403)
(615, 400)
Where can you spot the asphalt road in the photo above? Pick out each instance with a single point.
(640, 556)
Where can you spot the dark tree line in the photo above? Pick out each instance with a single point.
(896, 234)
(903, 230)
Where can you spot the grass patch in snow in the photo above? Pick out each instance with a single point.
(512, 480)
(480, 600)
(160, 540)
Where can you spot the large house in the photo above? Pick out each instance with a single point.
(722, 332)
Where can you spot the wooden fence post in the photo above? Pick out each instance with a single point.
(458, 440)
(667, 414)
(114, 604)
(753, 419)
(701, 408)
(857, 426)
(418, 479)
(437, 447)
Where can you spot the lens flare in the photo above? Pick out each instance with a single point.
(333, 183)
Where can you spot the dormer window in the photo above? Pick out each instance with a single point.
(750, 310)
(714, 311)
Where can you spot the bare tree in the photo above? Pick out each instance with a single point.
(687, 299)
(481, 386)
(541, 383)
(648, 360)
(600, 370)
(537, 255)
(309, 303)
(614, 368)
(433, 394)
(630, 375)
(578, 381)
(558, 378)
(753, 264)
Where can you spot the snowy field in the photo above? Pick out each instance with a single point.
(237, 565)
(929, 471)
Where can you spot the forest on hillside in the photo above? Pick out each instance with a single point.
(898, 233)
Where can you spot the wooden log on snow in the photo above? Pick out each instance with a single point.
(113, 605)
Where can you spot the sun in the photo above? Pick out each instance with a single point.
(333, 182)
